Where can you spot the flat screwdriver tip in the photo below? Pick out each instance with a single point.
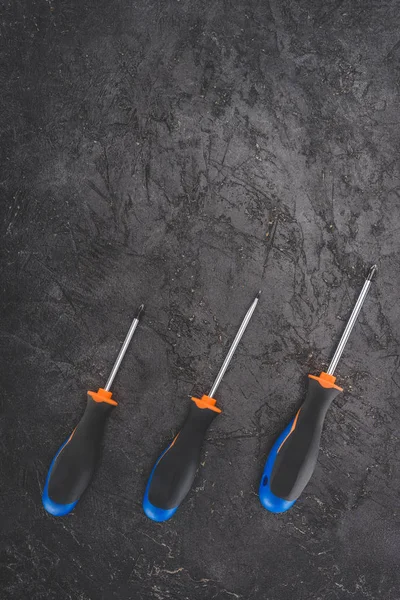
(139, 311)
(372, 272)
(258, 295)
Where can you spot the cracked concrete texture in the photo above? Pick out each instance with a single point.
(186, 154)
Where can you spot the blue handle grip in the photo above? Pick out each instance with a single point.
(267, 498)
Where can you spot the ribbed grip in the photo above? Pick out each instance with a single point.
(175, 471)
(73, 467)
(297, 456)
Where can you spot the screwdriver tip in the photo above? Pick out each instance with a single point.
(139, 311)
(258, 295)
(372, 272)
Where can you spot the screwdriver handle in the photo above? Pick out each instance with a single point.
(175, 470)
(293, 457)
(73, 466)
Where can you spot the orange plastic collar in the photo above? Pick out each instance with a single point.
(207, 402)
(103, 396)
(326, 380)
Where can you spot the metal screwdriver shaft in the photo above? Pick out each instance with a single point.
(351, 322)
(235, 343)
(124, 348)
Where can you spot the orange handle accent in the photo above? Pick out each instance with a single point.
(326, 381)
(103, 396)
(207, 402)
(293, 427)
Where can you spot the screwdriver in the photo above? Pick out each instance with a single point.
(73, 466)
(293, 457)
(175, 470)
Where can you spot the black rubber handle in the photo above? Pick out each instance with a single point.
(75, 464)
(175, 471)
(297, 456)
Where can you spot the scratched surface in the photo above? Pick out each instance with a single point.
(186, 154)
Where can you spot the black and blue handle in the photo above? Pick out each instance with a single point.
(293, 457)
(174, 472)
(73, 466)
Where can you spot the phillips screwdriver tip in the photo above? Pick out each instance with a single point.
(139, 311)
(372, 272)
(258, 295)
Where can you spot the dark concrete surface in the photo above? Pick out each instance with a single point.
(186, 154)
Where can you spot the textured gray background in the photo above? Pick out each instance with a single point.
(186, 154)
